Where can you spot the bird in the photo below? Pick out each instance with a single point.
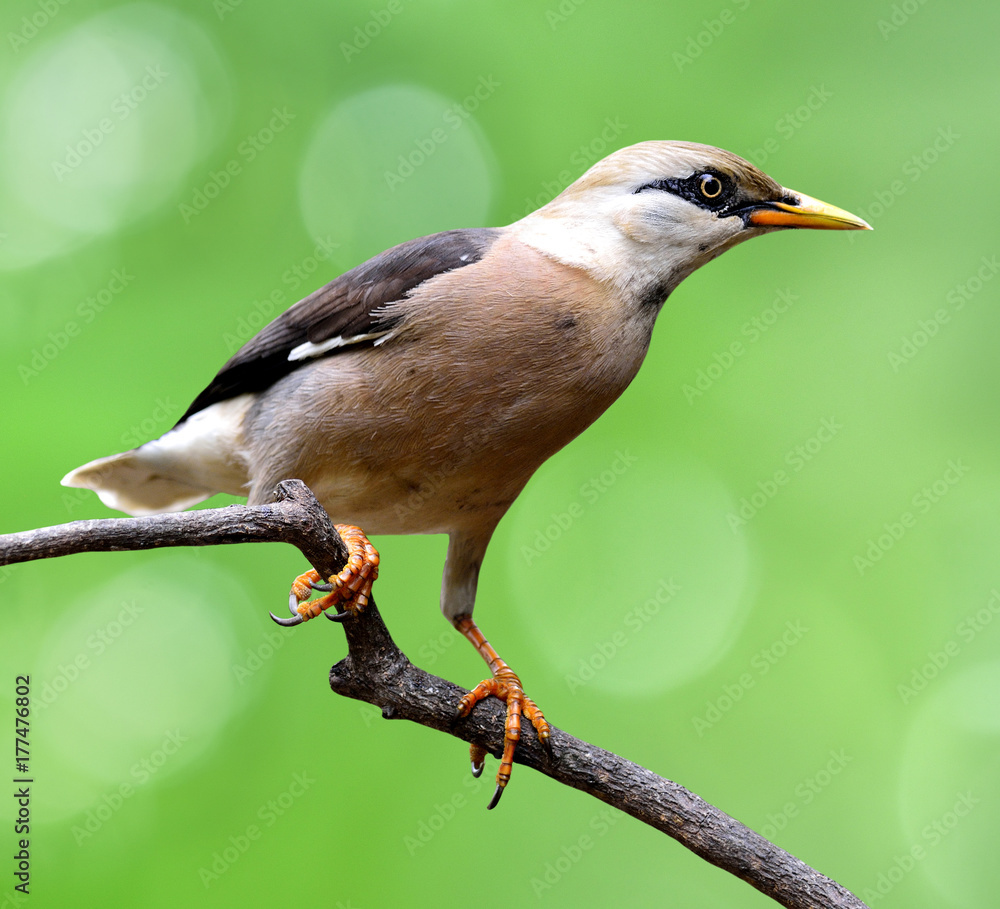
(419, 391)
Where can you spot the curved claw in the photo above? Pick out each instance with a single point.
(496, 798)
(477, 755)
(349, 590)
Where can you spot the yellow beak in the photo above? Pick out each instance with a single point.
(808, 212)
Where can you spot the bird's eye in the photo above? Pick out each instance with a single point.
(710, 186)
(709, 189)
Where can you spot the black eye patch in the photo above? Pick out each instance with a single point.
(708, 189)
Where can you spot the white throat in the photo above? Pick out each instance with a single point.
(616, 245)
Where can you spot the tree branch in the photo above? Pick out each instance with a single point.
(376, 670)
(294, 517)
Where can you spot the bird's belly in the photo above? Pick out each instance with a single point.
(412, 472)
(439, 441)
(433, 474)
(410, 498)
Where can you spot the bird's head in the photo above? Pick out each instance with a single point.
(648, 215)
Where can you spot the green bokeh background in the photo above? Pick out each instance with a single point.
(768, 680)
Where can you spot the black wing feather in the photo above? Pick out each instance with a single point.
(349, 306)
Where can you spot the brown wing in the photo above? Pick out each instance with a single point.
(346, 313)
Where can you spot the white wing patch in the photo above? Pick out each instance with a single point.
(308, 350)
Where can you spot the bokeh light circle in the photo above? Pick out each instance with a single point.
(622, 559)
(948, 776)
(393, 163)
(134, 683)
(100, 125)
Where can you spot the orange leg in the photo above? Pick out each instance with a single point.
(506, 686)
(352, 587)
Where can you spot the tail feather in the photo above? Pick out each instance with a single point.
(127, 482)
(190, 463)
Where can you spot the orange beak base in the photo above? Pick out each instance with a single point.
(809, 213)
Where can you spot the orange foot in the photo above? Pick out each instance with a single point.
(352, 587)
(506, 686)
